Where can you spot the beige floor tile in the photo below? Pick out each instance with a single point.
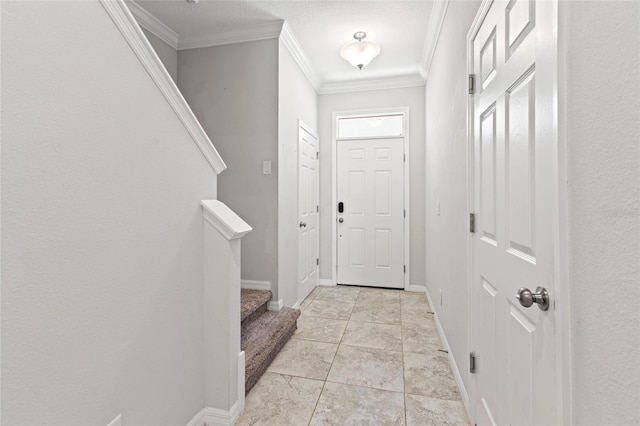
(418, 316)
(429, 375)
(304, 358)
(422, 411)
(386, 312)
(344, 405)
(373, 335)
(320, 329)
(378, 295)
(281, 400)
(373, 368)
(409, 298)
(329, 309)
(339, 293)
(420, 339)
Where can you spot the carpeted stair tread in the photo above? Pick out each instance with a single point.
(263, 338)
(252, 304)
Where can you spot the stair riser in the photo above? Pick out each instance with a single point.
(253, 377)
(254, 315)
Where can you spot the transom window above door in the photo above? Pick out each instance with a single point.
(371, 126)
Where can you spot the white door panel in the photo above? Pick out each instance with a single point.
(513, 245)
(371, 234)
(307, 213)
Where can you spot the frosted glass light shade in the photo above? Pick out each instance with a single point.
(360, 53)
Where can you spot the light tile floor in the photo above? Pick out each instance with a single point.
(360, 356)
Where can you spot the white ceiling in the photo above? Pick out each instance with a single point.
(321, 29)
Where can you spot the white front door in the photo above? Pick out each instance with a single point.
(307, 212)
(370, 189)
(515, 200)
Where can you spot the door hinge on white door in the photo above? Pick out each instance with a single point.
(317, 261)
(405, 268)
(317, 209)
(472, 362)
(472, 222)
(405, 212)
(317, 154)
(472, 84)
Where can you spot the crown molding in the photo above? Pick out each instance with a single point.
(264, 31)
(291, 43)
(373, 84)
(434, 28)
(153, 25)
(131, 32)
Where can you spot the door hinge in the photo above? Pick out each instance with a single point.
(404, 158)
(317, 261)
(405, 212)
(472, 84)
(472, 222)
(317, 155)
(405, 269)
(317, 209)
(472, 362)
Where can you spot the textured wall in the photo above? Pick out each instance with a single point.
(233, 90)
(296, 100)
(601, 105)
(101, 228)
(446, 176)
(167, 54)
(412, 97)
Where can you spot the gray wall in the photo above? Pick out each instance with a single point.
(446, 179)
(412, 97)
(600, 107)
(233, 90)
(296, 100)
(102, 230)
(167, 54)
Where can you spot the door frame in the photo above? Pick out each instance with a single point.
(303, 126)
(334, 184)
(560, 217)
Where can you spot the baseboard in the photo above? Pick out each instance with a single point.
(326, 282)
(198, 419)
(241, 379)
(275, 305)
(255, 285)
(452, 362)
(415, 288)
(296, 306)
(218, 417)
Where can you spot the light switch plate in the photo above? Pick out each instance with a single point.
(266, 167)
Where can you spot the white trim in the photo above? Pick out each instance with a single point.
(241, 379)
(327, 283)
(130, 30)
(153, 24)
(452, 361)
(434, 29)
(255, 285)
(407, 188)
(392, 82)
(291, 43)
(416, 288)
(224, 220)
(257, 32)
(275, 305)
(198, 419)
(218, 417)
(296, 305)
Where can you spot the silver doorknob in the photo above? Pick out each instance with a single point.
(527, 299)
(303, 224)
(341, 220)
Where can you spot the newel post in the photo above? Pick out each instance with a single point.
(223, 360)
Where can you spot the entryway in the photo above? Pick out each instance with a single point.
(371, 198)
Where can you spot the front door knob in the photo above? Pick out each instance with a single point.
(303, 224)
(527, 299)
(341, 220)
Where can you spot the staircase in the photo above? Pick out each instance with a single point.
(263, 332)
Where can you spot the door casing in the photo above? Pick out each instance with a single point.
(334, 187)
(560, 298)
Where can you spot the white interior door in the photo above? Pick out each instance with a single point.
(514, 188)
(370, 228)
(307, 212)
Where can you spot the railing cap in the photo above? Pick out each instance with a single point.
(224, 220)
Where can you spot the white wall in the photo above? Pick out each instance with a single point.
(167, 54)
(412, 97)
(233, 90)
(296, 100)
(446, 179)
(101, 228)
(600, 106)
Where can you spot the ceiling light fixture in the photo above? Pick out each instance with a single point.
(360, 53)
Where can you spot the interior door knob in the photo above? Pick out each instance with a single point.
(527, 299)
